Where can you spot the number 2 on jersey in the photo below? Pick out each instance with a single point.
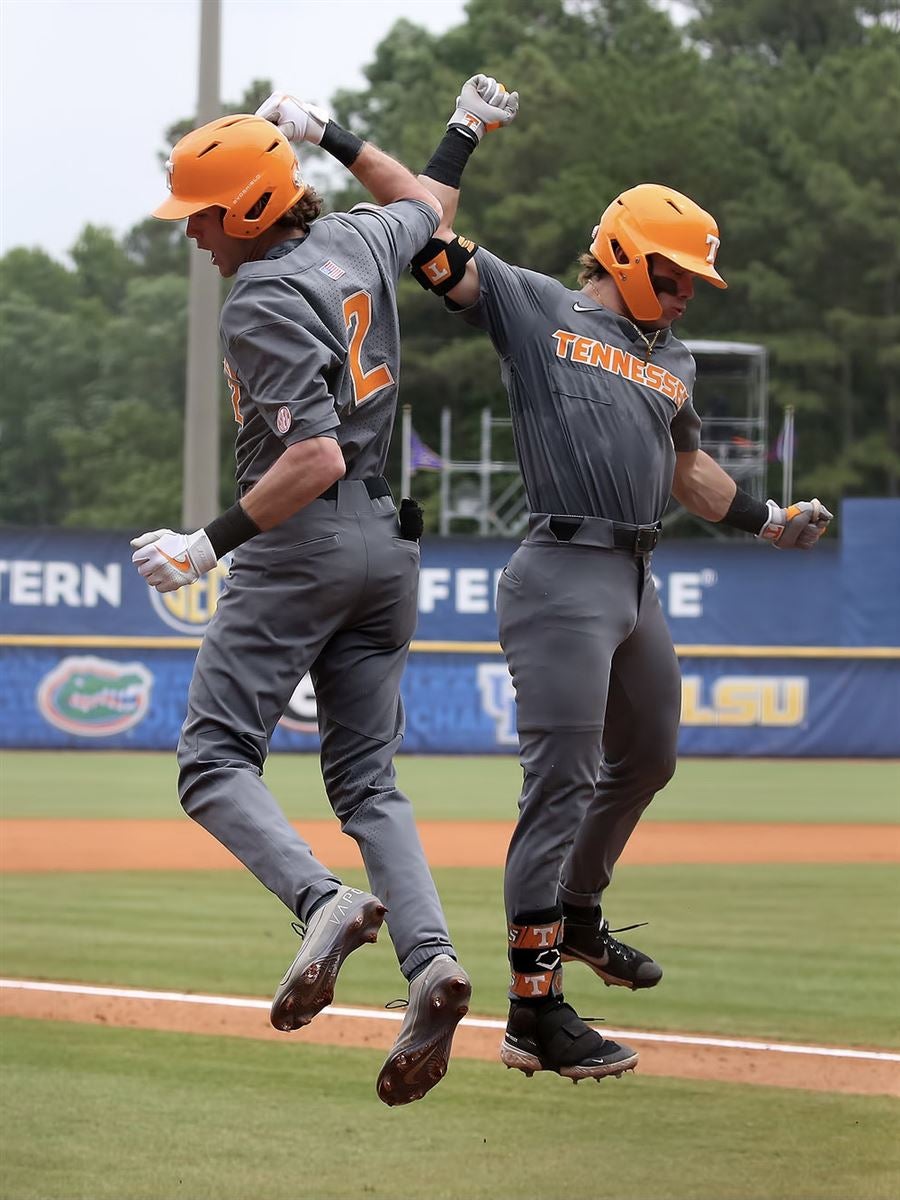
(358, 315)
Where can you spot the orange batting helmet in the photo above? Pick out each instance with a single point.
(234, 162)
(654, 219)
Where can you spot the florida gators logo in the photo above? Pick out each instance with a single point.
(95, 697)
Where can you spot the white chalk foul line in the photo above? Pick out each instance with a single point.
(375, 1014)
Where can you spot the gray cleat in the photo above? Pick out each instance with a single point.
(438, 1000)
(337, 928)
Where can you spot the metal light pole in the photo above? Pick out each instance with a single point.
(787, 455)
(406, 451)
(200, 471)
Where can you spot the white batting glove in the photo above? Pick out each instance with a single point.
(798, 527)
(483, 105)
(169, 560)
(297, 120)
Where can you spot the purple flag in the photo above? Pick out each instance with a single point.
(421, 458)
(776, 454)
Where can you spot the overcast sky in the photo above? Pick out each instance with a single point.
(87, 88)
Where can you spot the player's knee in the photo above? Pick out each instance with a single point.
(209, 757)
(657, 768)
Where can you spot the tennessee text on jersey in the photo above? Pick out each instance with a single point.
(586, 350)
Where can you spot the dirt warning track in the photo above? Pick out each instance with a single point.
(180, 845)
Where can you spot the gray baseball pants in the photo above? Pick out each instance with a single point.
(331, 591)
(598, 702)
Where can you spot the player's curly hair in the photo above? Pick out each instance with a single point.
(302, 214)
(590, 269)
(299, 216)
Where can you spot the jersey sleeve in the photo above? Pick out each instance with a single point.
(283, 368)
(685, 427)
(509, 297)
(686, 423)
(396, 232)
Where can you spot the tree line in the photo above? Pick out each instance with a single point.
(781, 117)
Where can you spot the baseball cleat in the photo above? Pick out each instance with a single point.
(349, 919)
(552, 1037)
(617, 965)
(438, 1000)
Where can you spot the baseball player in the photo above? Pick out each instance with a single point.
(323, 577)
(605, 429)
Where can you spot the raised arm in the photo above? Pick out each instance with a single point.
(449, 269)
(383, 177)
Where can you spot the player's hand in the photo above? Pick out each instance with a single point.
(169, 560)
(483, 105)
(798, 527)
(297, 120)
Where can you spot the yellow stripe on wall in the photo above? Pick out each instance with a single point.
(684, 650)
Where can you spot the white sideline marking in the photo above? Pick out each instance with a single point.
(81, 989)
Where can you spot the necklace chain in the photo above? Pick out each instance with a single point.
(650, 343)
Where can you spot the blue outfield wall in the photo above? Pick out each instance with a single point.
(781, 654)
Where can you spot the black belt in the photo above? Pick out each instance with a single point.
(637, 539)
(376, 487)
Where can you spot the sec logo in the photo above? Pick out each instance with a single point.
(190, 609)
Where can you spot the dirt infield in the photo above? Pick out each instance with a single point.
(180, 845)
(809, 1068)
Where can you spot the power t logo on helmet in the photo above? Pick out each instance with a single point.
(243, 165)
(654, 219)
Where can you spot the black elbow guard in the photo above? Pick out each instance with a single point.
(440, 266)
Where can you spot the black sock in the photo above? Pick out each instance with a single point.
(317, 904)
(577, 914)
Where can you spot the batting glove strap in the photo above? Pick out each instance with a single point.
(775, 522)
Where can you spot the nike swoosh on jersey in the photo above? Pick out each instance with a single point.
(183, 564)
(580, 308)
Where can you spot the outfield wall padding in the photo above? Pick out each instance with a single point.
(782, 654)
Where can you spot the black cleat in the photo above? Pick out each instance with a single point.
(616, 964)
(552, 1037)
(337, 928)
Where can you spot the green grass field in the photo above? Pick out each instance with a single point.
(110, 784)
(162, 1115)
(800, 953)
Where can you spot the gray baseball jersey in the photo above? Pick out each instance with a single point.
(596, 418)
(312, 339)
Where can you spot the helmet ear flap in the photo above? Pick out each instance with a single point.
(629, 270)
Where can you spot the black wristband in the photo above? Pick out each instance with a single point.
(746, 513)
(230, 529)
(449, 160)
(341, 143)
